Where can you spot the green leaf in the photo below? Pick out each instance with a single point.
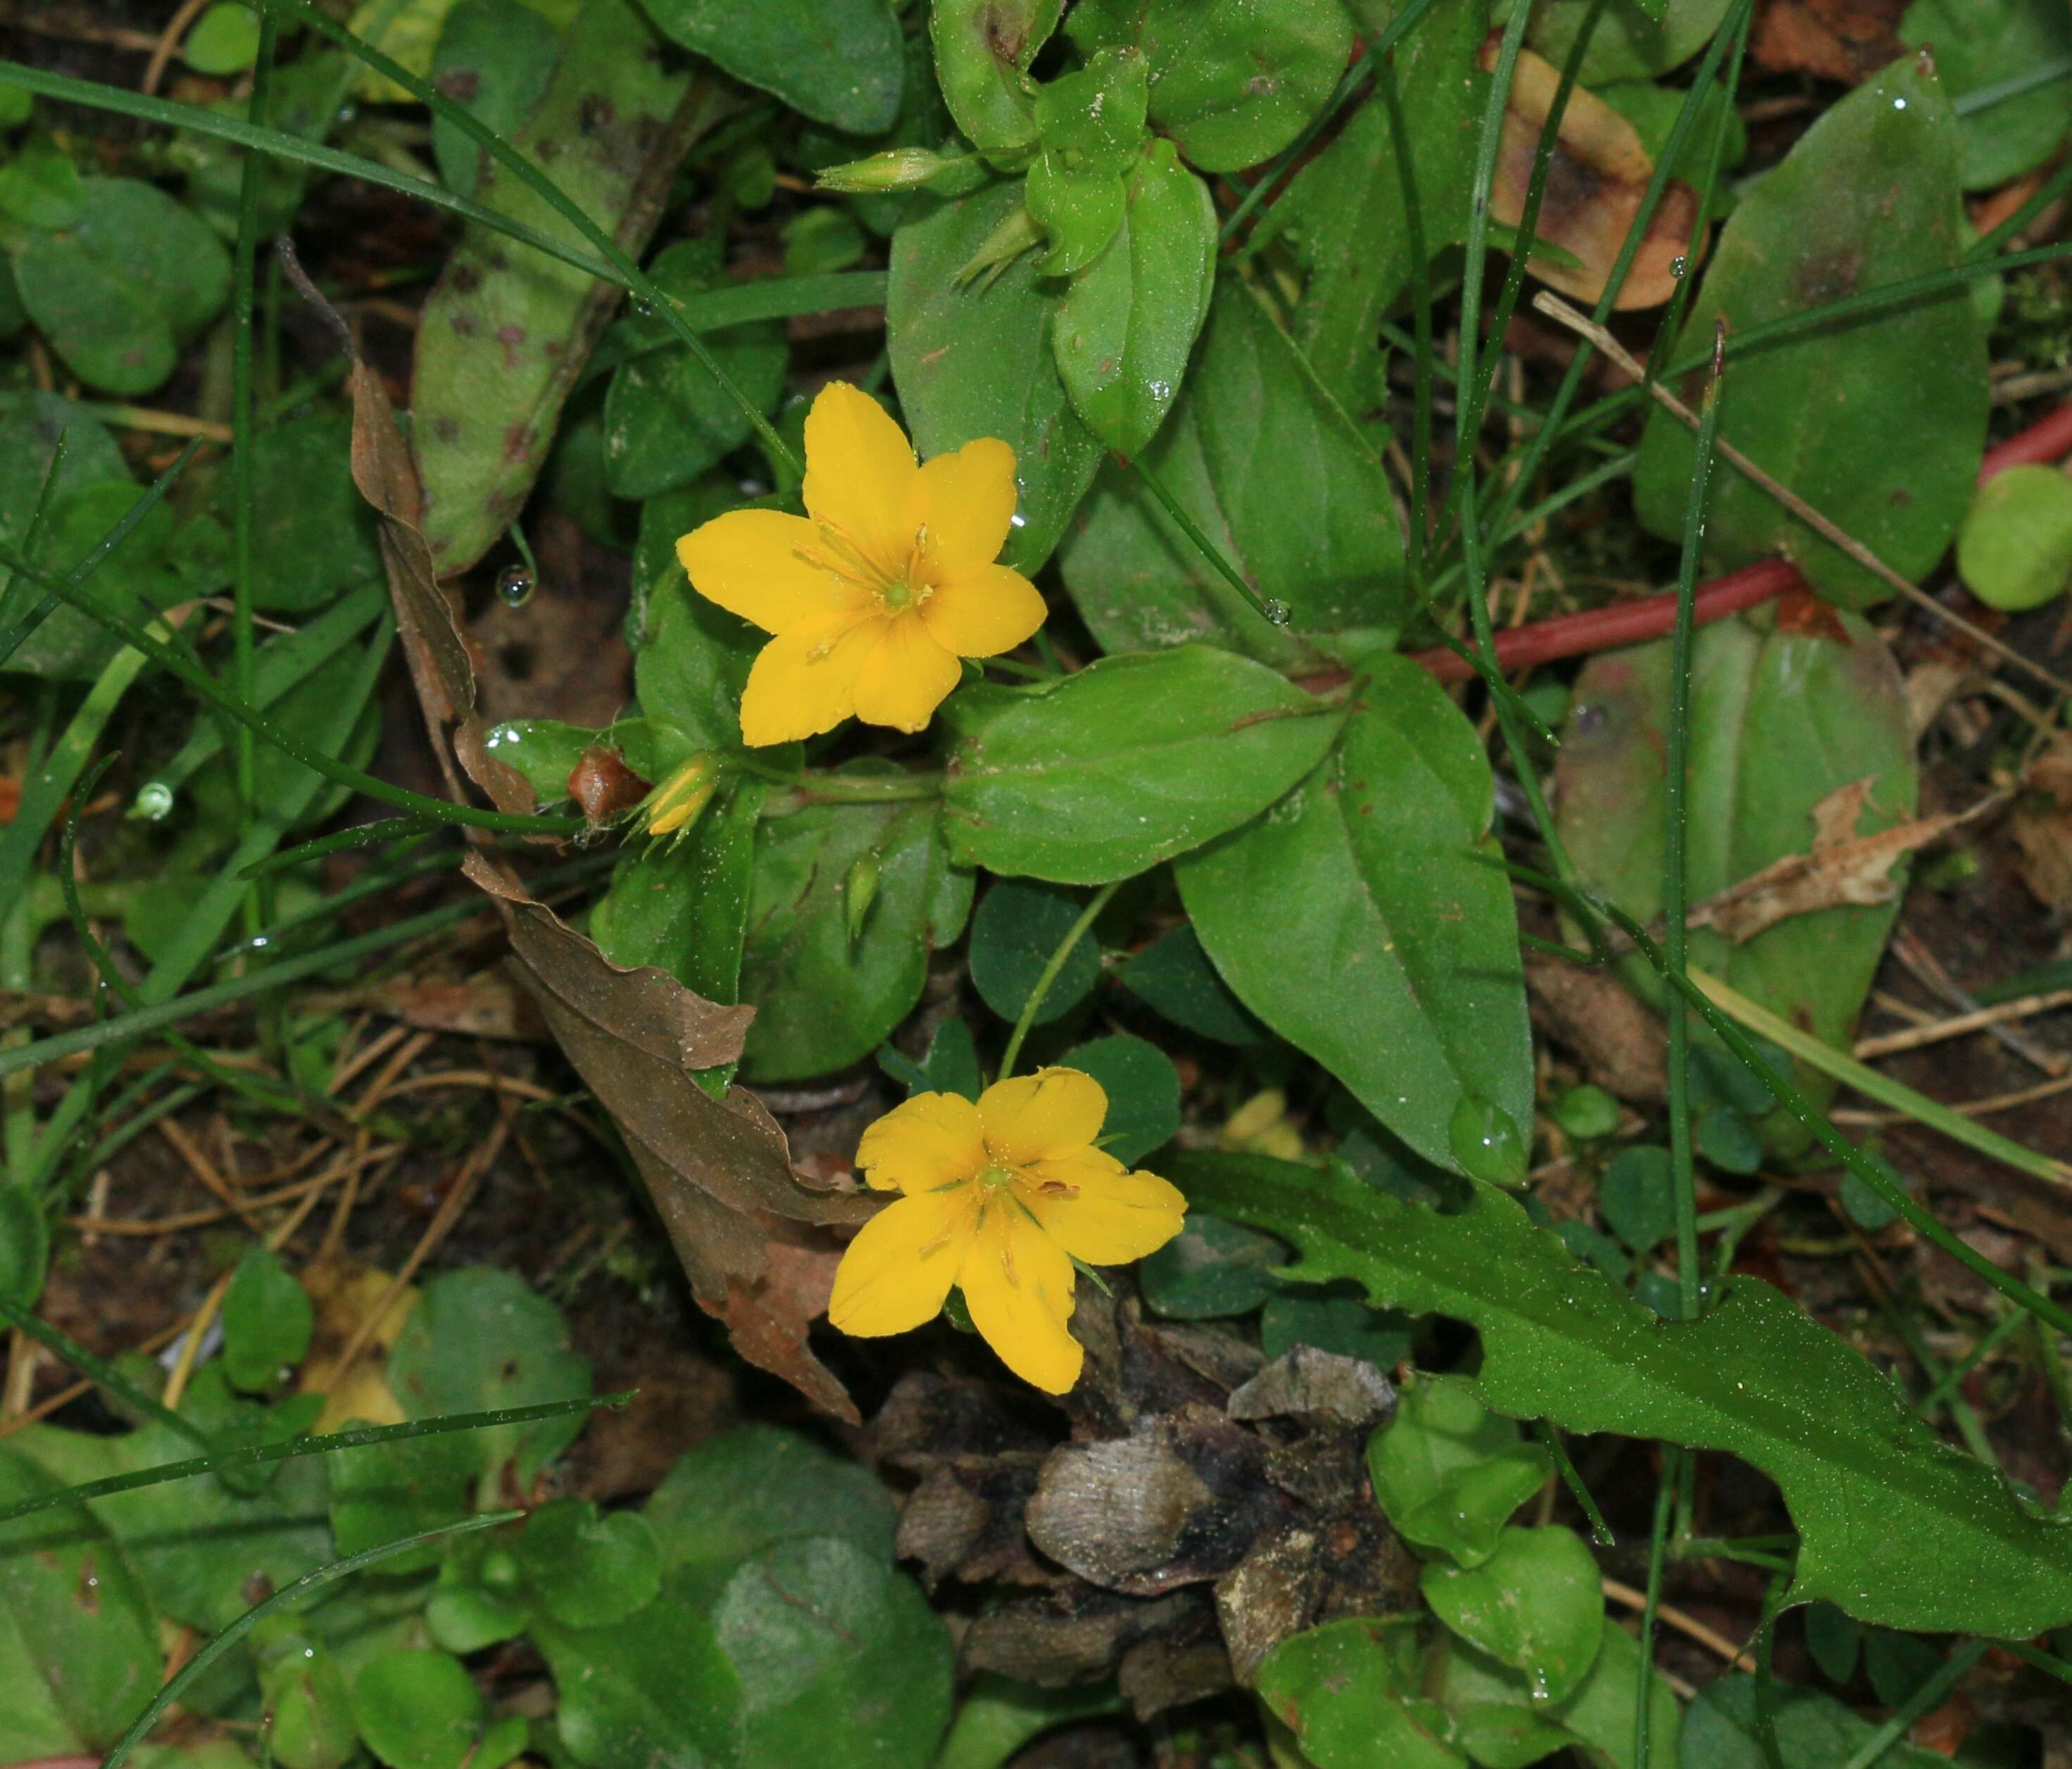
(1349, 1691)
(1363, 920)
(654, 1689)
(313, 535)
(1449, 1473)
(1868, 195)
(690, 674)
(479, 1339)
(41, 187)
(749, 1488)
(823, 999)
(267, 1319)
(1343, 213)
(839, 61)
(1232, 83)
(25, 1245)
(975, 360)
(1211, 1270)
(506, 335)
(949, 1066)
(308, 1716)
(1342, 1324)
(84, 1656)
(590, 1568)
(1018, 929)
(2015, 549)
(1814, 1731)
(120, 287)
(1128, 322)
(666, 419)
(1490, 1702)
(983, 50)
(1865, 1480)
(225, 39)
(1780, 720)
(1173, 976)
(1835, 1638)
(1979, 43)
(382, 1492)
(422, 1711)
(494, 60)
(998, 1716)
(1317, 534)
(545, 751)
(1635, 39)
(842, 1663)
(1092, 123)
(1730, 1142)
(1638, 1196)
(1536, 1604)
(1128, 762)
(137, 579)
(1143, 1090)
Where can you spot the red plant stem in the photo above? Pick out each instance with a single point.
(1628, 623)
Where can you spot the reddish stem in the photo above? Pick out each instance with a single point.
(1628, 623)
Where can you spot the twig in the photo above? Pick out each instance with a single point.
(1737, 1656)
(169, 40)
(1562, 313)
(1887, 1043)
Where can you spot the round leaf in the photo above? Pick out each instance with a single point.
(267, 1320)
(419, 1710)
(2015, 550)
(1143, 1089)
(1212, 1269)
(590, 1568)
(1017, 931)
(1536, 1604)
(224, 40)
(1447, 1472)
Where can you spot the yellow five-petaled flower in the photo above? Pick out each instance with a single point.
(1000, 1197)
(875, 593)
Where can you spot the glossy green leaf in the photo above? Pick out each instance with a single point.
(1978, 44)
(1349, 1691)
(654, 1689)
(1143, 1090)
(666, 421)
(479, 1339)
(590, 1568)
(506, 333)
(1868, 195)
(842, 1663)
(1343, 213)
(749, 1488)
(1342, 1325)
(1865, 1480)
(84, 1656)
(1449, 1473)
(494, 60)
(1232, 82)
(120, 287)
(1362, 919)
(545, 751)
(822, 998)
(1211, 1270)
(1317, 534)
(1536, 1605)
(1779, 720)
(267, 1319)
(1814, 1731)
(2015, 549)
(975, 360)
(1493, 1704)
(1635, 39)
(422, 1711)
(1173, 976)
(1129, 322)
(983, 50)
(838, 61)
(1127, 763)
(1016, 932)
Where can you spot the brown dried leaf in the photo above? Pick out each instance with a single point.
(2042, 825)
(1848, 40)
(1841, 868)
(489, 1006)
(1594, 185)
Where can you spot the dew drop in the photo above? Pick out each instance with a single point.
(1276, 611)
(154, 801)
(1678, 265)
(514, 586)
(1485, 1141)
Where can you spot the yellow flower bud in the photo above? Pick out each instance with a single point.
(904, 168)
(674, 805)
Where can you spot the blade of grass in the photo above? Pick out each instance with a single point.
(103, 1373)
(1048, 975)
(1924, 1699)
(359, 835)
(1643, 1708)
(177, 1686)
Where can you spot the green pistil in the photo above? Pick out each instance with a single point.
(995, 1179)
(898, 595)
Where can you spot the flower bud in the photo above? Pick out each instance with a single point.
(674, 805)
(896, 169)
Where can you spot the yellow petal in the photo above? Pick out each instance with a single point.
(1018, 1284)
(859, 474)
(932, 1141)
(1054, 1111)
(750, 563)
(967, 503)
(985, 611)
(907, 677)
(897, 1271)
(1098, 1212)
(803, 681)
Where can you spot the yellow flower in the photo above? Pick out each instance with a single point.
(674, 805)
(1000, 1197)
(878, 591)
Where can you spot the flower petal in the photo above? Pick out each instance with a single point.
(932, 1141)
(985, 611)
(907, 677)
(898, 1270)
(803, 682)
(750, 563)
(968, 500)
(860, 474)
(1054, 1111)
(1098, 1212)
(1018, 1284)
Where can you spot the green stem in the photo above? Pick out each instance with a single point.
(1924, 1699)
(1643, 1709)
(1276, 613)
(1600, 1531)
(103, 1373)
(1049, 974)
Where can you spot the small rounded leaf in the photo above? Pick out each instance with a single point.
(224, 40)
(590, 1568)
(421, 1710)
(267, 1320)
(2015, 550)
(1536, 1604)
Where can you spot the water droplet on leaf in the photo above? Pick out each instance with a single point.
(514, 586)
(1679, 265)
(1485, 1141)
(154, 801)
(1276, 611)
